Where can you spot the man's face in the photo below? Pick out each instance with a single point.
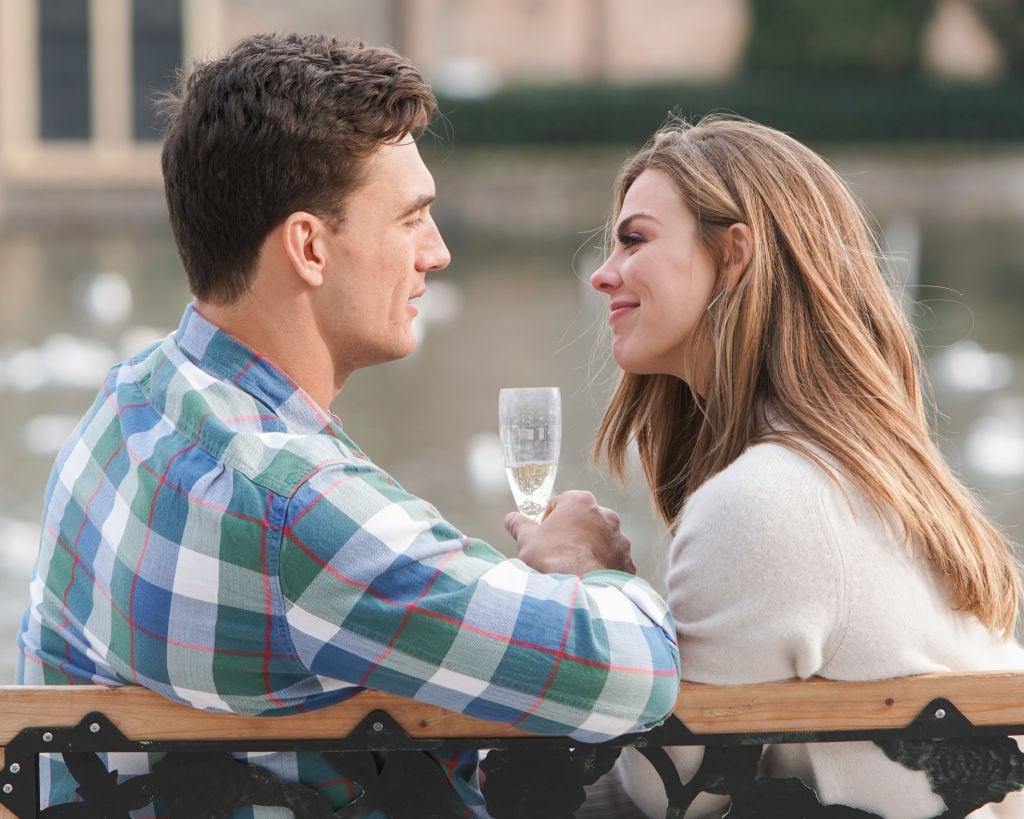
(379, 259)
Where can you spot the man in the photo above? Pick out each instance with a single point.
(212, 533)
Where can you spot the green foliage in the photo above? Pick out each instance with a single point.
(872, 38)
(835, 70)
(810, 107)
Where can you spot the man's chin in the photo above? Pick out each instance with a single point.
(398, 352)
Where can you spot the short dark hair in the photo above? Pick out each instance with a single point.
(281, 123)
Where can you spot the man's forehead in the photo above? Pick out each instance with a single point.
(394, 182)
(399, 166)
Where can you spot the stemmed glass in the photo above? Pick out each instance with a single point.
(530, 428)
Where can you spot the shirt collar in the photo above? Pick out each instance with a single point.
(228, 359)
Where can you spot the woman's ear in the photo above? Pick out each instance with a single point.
(739, 250)
(302, 236)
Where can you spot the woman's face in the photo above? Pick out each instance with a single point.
(659, 279)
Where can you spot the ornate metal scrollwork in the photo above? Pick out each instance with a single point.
(189, 786)
(965, 768)
(523, 778)
(966, 773)
(207, 782)
(543, 782)
(732, 771)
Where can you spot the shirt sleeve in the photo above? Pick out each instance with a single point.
(382, 592)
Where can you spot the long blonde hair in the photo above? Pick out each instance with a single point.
(809, 347)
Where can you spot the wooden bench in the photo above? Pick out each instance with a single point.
(966, 718)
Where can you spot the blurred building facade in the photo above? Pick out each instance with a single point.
(78, 77)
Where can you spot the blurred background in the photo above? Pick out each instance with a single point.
(918, 103)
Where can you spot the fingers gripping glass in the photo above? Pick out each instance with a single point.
(530, 428)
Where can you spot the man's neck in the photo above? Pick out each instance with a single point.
(274, 331)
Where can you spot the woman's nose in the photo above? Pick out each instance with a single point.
(605, 278)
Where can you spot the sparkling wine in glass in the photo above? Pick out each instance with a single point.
(530, 428)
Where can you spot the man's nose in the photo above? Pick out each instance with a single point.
(436, 256)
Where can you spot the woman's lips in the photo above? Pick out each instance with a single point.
(621, 308)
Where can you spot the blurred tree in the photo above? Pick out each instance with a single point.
(1005, 19)
(878, 38)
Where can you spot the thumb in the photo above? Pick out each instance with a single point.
(514, 523)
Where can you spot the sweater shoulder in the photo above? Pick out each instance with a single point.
(771, 505)
(770, 476)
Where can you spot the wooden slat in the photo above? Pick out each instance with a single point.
(142, 714)
(991, 698)
(809, 705)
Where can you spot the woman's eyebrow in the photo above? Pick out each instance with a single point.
(626, 221)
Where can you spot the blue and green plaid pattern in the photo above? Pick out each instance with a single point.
(212, 534)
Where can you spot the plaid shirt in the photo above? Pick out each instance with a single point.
(212, 534)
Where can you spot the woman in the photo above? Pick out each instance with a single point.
(770, 384)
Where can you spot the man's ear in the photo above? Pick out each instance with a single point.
(739, 250)
(302, 237)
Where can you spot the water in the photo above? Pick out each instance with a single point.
(507, 312)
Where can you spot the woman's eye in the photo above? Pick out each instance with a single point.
(629, 239)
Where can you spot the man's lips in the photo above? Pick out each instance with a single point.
(414, 307)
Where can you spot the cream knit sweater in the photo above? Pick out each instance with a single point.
(771, 576)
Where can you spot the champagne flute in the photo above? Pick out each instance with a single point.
(530, 428)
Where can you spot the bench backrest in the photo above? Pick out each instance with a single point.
(979, 710)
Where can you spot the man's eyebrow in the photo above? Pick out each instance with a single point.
(424, 201)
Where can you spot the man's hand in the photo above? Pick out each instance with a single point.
(575, 536)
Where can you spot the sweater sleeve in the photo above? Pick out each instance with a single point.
(756, 578)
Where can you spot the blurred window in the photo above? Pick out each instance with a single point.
(156, 55)
(64, 69)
